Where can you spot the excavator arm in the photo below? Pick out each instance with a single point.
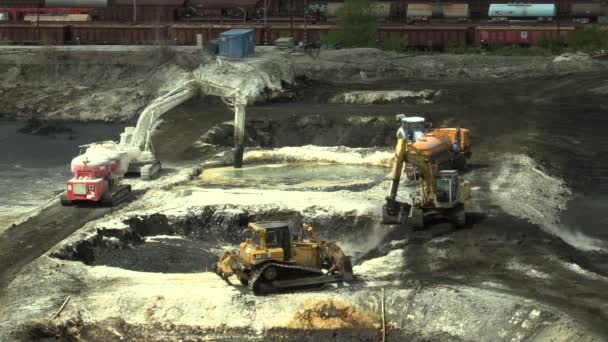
(394, 211)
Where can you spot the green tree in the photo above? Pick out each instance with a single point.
(357, 24)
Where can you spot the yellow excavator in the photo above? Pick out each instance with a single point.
(441, 192)
(269, 260)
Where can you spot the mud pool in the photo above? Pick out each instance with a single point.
(305, 176)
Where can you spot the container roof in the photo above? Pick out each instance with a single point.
(236, 32)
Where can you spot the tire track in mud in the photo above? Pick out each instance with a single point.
(21, 244)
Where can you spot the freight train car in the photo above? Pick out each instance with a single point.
(118, 34)
(588, 12)
(426, 36)
(19, 13)
(424, 12)
(185, 34)
(54, 34)
(534, 12)
(241, 9)
(75, 3)
(33, 18)
(520, 35)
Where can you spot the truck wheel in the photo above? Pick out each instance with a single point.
(417, 219)
(64, 200)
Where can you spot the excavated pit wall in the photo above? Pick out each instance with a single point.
(114, 84)
(213, 225)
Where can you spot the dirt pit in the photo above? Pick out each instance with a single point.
(160, 253)
(143, 276)
(191, 244)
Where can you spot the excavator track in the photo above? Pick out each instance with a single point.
(301, 276)
(149, 171)
(116, 195)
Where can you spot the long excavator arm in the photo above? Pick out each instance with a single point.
(394, 211)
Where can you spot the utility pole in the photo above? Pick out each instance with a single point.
(239, 132)
(305, 27)
(291, 16)
(265, 24)
(37, 21)
(134, 11)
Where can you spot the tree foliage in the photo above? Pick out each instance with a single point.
(357, 24)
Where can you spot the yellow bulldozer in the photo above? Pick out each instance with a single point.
(269, 260)
(441, 191)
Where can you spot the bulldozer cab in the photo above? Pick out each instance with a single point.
(447, 189)
(276, 235)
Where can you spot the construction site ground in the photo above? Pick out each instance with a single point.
(531, 263)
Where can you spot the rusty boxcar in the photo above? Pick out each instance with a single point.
(426, 36)
(54, 34)
(185, 34)
(118, 34)
(520, 35)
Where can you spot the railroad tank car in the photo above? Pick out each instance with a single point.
(220, 4)
(541, 12)
(76, 3)
(163, 3)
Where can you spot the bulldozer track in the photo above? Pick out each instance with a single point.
(254, 281)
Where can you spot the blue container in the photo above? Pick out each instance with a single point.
(529, 11)
(237, 43)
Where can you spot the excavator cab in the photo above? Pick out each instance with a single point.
(447, 189)
(412, 127)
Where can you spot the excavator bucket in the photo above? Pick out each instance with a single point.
(394, 212)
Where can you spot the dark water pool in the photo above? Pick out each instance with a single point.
(33, 168)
